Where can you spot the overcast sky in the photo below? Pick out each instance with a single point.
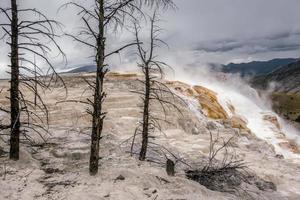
(200, 31)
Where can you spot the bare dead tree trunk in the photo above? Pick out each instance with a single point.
(145, 122)
(27, 37)
(14, 88)
(98, 115)
(170, 167)
(154, 90)
(35, 82)
(103, 14)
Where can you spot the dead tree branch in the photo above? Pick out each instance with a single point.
(154, 91)
(28, 40)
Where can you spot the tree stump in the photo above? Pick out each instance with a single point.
(170, 167)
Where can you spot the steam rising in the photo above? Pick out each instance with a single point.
(246, 101)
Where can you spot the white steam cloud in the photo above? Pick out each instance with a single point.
(236, 91)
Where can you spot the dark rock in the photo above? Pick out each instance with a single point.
(120, 178)
(266, 186)
(52, 170)
(76, 156)
(279, 156)
(211, 125)
(298, 119)
(2, 152)
(217, 180)
(162, 179)
(195, 131)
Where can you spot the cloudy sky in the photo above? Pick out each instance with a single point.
(199, 32)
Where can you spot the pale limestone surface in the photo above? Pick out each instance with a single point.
(59, 170)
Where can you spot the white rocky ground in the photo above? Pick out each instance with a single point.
(59, 169)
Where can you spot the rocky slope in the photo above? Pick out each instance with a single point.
(59, 168)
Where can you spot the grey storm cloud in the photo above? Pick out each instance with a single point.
(286, 41)
(199, 31)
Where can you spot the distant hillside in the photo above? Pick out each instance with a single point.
(285, 79)
(286, 84)
(85, 68)
(257, 67)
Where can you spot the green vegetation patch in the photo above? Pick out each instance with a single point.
(287, 105)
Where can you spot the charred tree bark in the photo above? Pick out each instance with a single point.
(35, 83)
(170, 167)
(14, 88)
(98, 115)
(145, 130)
(153, 89)
(106, 14)
(27, 37)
